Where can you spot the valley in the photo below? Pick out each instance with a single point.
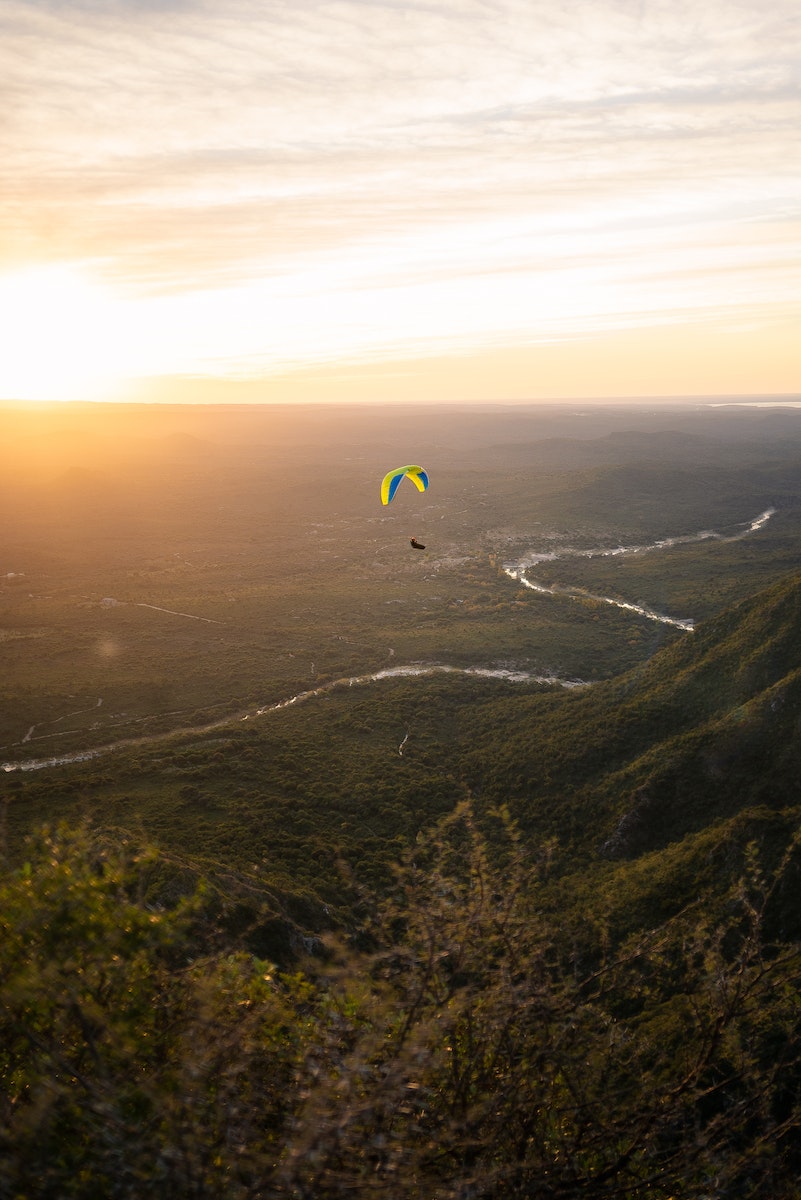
(187, 590)
(335, 868)
(155, 579)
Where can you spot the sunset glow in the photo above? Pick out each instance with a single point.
(58, 336)
(339, 200)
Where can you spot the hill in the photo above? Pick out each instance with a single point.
(652, 785)
(706, 727)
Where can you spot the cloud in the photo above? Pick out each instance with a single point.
(369, 148)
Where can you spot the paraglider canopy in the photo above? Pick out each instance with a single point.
(390, 482)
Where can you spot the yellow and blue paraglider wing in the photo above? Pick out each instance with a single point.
(389, 484)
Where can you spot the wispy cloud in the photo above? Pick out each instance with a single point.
(415, 165)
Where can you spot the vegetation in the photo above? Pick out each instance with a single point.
(445, 935)
(701, 735)
(455, 1045)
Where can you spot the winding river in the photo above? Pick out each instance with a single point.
(518, 571)
(414, 669)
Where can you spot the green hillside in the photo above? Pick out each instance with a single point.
(652, 785)
(708, 727)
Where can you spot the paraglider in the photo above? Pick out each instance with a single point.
(389, 484)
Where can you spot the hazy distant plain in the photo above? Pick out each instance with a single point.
(161, 567)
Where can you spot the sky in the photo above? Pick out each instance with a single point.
(305, 200)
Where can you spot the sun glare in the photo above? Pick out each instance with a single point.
(60, 336)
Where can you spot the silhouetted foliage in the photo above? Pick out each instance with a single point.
(468, 1053)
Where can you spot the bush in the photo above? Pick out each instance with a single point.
(453, 1048)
